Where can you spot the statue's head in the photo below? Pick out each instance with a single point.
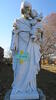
(26, 9)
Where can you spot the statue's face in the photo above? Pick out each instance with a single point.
(27, 12)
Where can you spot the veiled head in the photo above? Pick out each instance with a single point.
(26, 8)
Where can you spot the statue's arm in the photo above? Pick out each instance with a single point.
(15, 35)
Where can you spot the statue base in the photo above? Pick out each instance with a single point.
(24, 95)
(42, 96)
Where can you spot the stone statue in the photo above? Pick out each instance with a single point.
(26, 54)
(37, 27)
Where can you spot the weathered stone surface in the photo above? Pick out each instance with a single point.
(42, 96)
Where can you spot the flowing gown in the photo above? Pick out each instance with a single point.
(25, 70)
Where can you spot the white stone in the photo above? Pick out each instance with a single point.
(24, 96)
(24, 84)
(41, 94)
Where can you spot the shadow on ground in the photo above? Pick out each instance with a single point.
(46, 81)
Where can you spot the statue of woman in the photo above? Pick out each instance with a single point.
(26, 56)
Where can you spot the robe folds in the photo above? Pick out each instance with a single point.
(25, 70)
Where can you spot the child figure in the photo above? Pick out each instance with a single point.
(36, 25)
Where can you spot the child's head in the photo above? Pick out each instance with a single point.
(34, 13)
